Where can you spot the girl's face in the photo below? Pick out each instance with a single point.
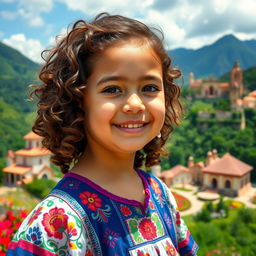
(124, 99)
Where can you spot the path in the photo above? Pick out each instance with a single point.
(196, 205)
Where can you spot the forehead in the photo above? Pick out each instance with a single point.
(128, 58)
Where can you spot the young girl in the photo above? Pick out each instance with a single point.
(106, 107)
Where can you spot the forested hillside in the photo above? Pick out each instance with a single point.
(16, 73)
(189, 140)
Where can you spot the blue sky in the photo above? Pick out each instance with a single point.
(31, 25)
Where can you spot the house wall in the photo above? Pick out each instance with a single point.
(33, 160)
(182, 178)
(33, 143)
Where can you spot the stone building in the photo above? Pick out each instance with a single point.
(212, 88)
(178, 175)
(25, 164)
(226, 175)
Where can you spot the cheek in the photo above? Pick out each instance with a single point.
(157, 107)
(102, 113)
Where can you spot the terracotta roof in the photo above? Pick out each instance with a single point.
(224, 84)
(33, 152)
(199, 164)
(17, 169)
(249, 98)
(32, 136)
(228, 165)
(174, 171)
(252, 94)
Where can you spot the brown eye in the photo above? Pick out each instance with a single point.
(112, 90)
(150, 88)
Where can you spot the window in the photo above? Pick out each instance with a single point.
(227, 184)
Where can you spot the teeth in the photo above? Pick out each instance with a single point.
(131, 126)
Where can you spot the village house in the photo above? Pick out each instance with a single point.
(226, 175)
(26, 164)
(178, 175)
(212, 88)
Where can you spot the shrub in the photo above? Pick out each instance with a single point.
(40, 188)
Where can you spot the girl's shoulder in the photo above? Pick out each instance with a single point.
(160, 188)
(53, 227)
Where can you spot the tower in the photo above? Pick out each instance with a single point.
(236, 85)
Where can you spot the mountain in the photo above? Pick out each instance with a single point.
(215, 59)
(16, 73)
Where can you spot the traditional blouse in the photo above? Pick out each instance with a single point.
(81, 218)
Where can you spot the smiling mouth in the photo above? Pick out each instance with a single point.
(130, 126)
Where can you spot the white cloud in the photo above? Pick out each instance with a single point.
(92, 7)
(31, 11)
(31, 48)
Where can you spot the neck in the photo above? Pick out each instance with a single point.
(104, 164)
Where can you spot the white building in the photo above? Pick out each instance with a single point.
(26, 164)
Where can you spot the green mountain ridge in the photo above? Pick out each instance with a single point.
(215, 59)
(16, 73)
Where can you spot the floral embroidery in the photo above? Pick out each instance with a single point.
(170, 249)
(74, 184)
(151, 205)
(35, 215)
(139, 253)
(125, 210)
(144, 229)
(167, 220)
(34, 235)
(147, 229)
(155, 186)
(71, 230)
(91, 200)
(55, 222)
(88, 253)
(110, 238)
(178, 221)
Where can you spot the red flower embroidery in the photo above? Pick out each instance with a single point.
(139, 253)
(125, 210)
(147, 229)
(55, 222)
(170, 249)
(155, 186)
(35, 215)
(92, 200)
(151, 205)
(89, 253)
(71, 229)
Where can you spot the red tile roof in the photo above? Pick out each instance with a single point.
(17, 169)
(32, 136)
(33, 152)
(174, 171)
(228, 165)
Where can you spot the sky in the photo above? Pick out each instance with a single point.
(31, 26)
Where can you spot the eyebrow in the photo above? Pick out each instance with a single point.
(122, 78)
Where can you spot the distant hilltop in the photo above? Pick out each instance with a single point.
(215, 59)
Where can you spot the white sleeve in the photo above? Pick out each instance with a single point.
(52, 228)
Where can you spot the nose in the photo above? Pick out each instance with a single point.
(133, 104)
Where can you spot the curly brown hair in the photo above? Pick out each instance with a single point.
(60, 119)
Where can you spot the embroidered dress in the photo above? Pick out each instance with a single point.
(81, 218)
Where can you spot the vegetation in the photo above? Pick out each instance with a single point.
(189, 139)
(229, 236)
(40, 188)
